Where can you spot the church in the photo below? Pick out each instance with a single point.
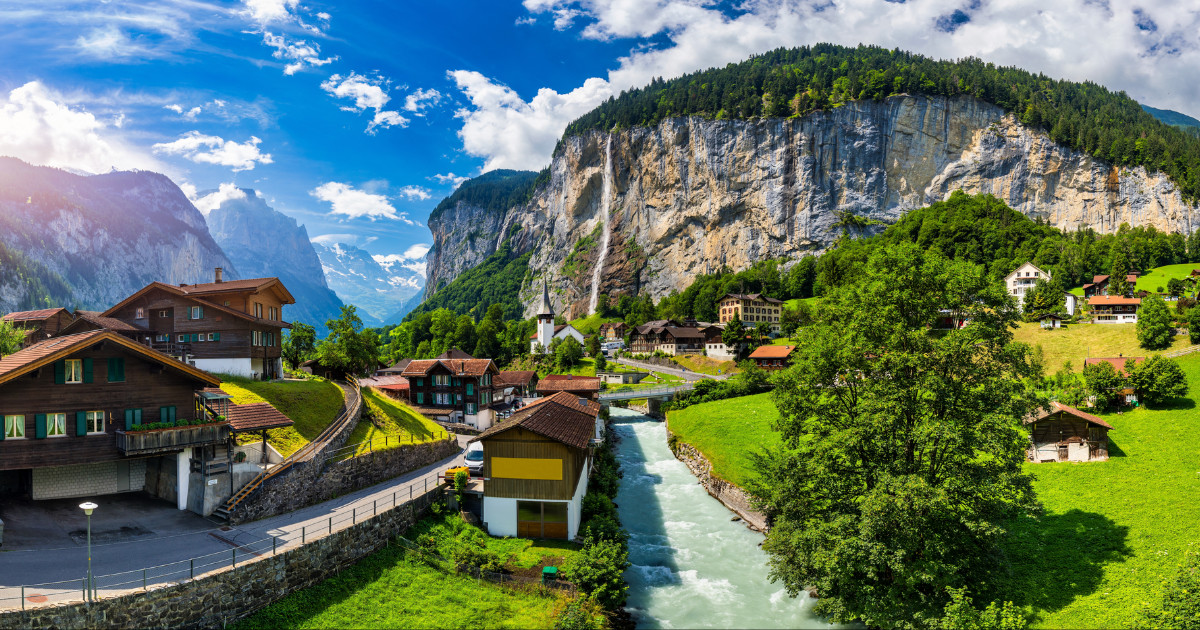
(547, 332)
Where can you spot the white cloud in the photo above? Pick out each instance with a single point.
(421, 99)
(333, 239)
(417, 251)
(356, 203)
(200, 148)
(511, 133)
(38, 126)
(299, 54)
(1109, 42)
(366, 93)
(110, 43)
(213, 200)
(412, 259)
(415, 193)
(178, 109)
(450, 178)
(267, 11)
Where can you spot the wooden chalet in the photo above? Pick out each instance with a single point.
(1107, 309)
(79, 413)
(668, 337)
(454, 390)
(613, 331)
(40, 324)
(1060, 433)
(523, 382)
(1125, 395)
(395, 370)
(772, 357)
(536, 467)
(1099, 285)
(232, 327)
(92, 320)
(580, 386)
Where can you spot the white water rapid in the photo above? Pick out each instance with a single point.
(691, 566)
(605, 205)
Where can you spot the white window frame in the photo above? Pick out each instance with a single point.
(211, 337)
(194, 312)
(73, 368)
(182, 338)
(140, 313)
(14, 427)
(163, 313)
(56, 420)
(95, 422)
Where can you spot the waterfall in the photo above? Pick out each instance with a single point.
(604, 231)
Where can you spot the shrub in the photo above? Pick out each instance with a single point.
(604, 527)
(597, 570)
(1180, 605)
(596, 504)
(961, 615)
(578, 614)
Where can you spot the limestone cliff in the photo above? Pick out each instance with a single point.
(691, 194)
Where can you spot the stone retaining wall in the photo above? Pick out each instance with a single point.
(227, 595)
(307, 484)
(728, 494)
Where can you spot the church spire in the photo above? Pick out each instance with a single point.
(545, 308)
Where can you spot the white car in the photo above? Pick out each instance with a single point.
(475, 458)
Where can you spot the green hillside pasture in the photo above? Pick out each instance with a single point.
(394, 589)
(1158, 276)
(1112, 531)
(1076, 342)
(312, 404)
(590, 325)
(393, 420)
(728, 432)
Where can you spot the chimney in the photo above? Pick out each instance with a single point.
(217, 274)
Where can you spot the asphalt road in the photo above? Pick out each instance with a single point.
(132, 532)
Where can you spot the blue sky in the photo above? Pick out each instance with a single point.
(356, 118)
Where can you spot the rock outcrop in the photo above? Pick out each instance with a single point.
(692, 194)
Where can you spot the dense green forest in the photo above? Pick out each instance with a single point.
(38, 287)
(496, 190)
(799, 81)
(497, 280)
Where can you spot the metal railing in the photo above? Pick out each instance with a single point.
(626, 394)
(420, 494)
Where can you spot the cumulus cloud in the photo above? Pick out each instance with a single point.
(365, 93)
(414, 193)
(39, 126)
(354, 204)
(213, 200)
(189, 114)
(450, 178)
(298, 54)
(333, 239)
(1150, 52)
(267, 11)
(417, 251)
(412, 259)
(421, 99)
(201, 148)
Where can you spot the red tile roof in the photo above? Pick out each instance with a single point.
(249, 284)
(1056, 407)
(457, 367)
(578, 384)
(27, 316)
(1113, 300)
(555, 418)
(390, 382)
(514, 377)
(1116, 362)
(174, 290)
(256, 417)
(772, 352)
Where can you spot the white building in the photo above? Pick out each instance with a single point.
(547, 332)
(1023, 280)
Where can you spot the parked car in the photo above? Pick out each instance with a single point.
(475, 458)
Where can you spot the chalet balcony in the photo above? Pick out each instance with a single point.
(172, 439)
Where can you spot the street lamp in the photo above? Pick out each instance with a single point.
(87, 509)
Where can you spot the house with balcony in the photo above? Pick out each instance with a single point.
(773, 357)
(667, 336)
(226, 326)
(1114, 309)
(1099, 285)
(1022, 280)
(97, 413)
(751, 308)
(613, 331)
(536, 465)
(454, 390)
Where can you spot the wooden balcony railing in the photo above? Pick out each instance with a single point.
(174, 439)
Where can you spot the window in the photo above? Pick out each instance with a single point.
(195, 312)
(212, 336)
(420, 382)
(116, 370)
(472, 408)
(254, 337)
(56, 424)
(420, 398)
(182, 338)
(74, 372)
(258, 311)
(14, 428)
(132, 417)
(94, 421)
(166, 414)
(164, 313)
(140, 313)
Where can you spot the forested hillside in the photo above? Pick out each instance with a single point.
(794, 82)
(27, 285)
(497, 281)
(496, 190)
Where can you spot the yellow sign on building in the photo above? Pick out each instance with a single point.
(527, 468)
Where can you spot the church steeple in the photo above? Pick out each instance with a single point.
(545, 323)
(545, 310)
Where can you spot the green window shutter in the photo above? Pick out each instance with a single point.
(195, 337)
(60, 373)
(200, 315)
(39, 426)
(171, 412)
(162, 414)
(216, 336)
(420, 398)
(137, 416)
(470, 389)
(128, 419)
(121, 369)
(87, 370)
(80, 423)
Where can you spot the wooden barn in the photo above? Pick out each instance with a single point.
(1064, 434)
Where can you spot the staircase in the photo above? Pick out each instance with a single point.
(310, 450)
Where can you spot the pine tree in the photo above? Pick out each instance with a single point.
(1118, 282)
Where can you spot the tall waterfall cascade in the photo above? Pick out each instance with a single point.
(605, 231)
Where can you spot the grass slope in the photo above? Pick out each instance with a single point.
(393, 589)
(391, 419)
(727, 432)
(704, 365)
(590, 325)
(311, 404)
(1158, 276)
(1112, 531)
(1079, 341)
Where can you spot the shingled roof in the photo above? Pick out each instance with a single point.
(256, 417)
(572, 424)
(1056, 407)
(576, 384)
(111, 323)
(514, 377)
(457, 367)
(30, 316)
(772, 352)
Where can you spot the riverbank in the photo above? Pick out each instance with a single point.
(728, 494)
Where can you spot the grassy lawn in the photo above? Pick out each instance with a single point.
(590, 325)
(1079, 341)
(311, 404)
(1158, 276)
(585, 367)
(1112, 530)
(727, 432)
(391, 419)
(704, 365)
(394, 589)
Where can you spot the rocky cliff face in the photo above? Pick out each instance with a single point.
(263, 242)
(107, 235)
(692, 194)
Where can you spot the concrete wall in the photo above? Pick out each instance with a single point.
(500, 515)
(308, 484)
(227, 594)
(87, 480)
